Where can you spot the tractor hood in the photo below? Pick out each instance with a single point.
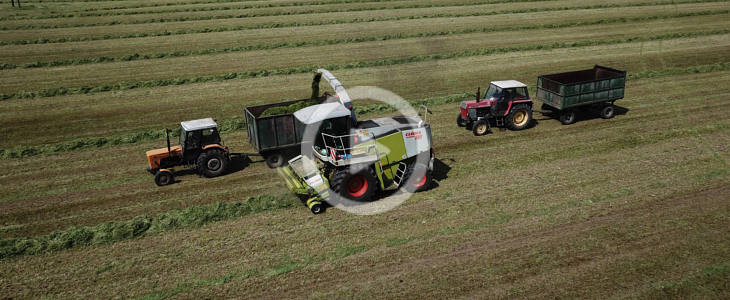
(474, 104)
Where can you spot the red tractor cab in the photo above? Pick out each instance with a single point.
(505, 104)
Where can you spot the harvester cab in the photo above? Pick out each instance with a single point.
(200, 146)
(357, 159)
(506, 103)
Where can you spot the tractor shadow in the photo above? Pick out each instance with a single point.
(238, 163)
(581, 114)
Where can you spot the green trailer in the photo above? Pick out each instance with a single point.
(597, 88)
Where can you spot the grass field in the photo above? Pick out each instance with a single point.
(631, 207)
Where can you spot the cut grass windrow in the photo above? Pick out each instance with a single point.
(137, 56)
(52, 92)
(331, 22)
(235, 124)
(114, 231)
(248, 15)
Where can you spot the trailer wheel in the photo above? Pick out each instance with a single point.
(519, 117)
(417, 183)
(212, 163)
(460, 121)
(480, 127)
(164, 177)
(607, 112)
(275, 160)
(358, 184)
(567, 117)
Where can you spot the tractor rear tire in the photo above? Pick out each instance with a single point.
(275, 160)
(567, 117)
(354, 183)
(607, 111)
(164, 177)
(422, 183)
(212, 163)
(520, 117)
(480, 127)
(461, 122)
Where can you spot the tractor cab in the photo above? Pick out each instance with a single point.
(196, 135)
(200, 146)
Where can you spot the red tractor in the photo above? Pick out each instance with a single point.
(505, 104)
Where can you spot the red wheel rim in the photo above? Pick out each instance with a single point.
(421, 182)
(357, 186)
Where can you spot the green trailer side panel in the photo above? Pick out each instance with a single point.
(583, 87)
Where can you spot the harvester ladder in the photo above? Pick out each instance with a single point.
(398, 177)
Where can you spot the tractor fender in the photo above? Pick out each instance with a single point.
(509, 106)
(216, 146)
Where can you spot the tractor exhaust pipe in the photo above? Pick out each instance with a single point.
(167, 134)
(478, 93)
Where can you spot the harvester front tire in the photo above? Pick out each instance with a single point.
(460, 121)
(421, 183)
(275, 160)
(163, 178)
(520, 117)
(357, 184)
(567, 117)
(480, 127)
(607, 112)
(212, 163)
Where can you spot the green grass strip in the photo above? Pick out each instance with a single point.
(114, 231)
(329, 22)
(231, 16)
(137, 56)
(53, 92)
(236, 123)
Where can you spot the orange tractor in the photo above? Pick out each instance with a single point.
(200, 146)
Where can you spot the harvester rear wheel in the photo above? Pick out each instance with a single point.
(212, 163)
(480, 127)
(519, 118)
(164, 177)
(418, 178)
(358, 184)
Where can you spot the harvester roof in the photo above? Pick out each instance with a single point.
(506, 84)
(320, 112)
(199, 124)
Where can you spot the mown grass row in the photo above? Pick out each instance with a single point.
(137, 56)
(327, 22)
(113, 231)
(59, 91)
(237, 123)
(243, 7)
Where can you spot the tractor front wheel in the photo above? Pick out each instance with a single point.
(567, 117)
(519, 118)
(164, 177)
(461, 122)
(480, 127)
(212, 163)
(358, 184)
